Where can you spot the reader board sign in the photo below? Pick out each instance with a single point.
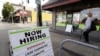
(69, 28)
(31, 42)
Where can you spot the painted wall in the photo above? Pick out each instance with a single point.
(33, 17)
(45, 17)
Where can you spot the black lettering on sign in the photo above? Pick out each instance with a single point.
(38, 53)
(33, 33)
(22, 41)
(28, 53)
(31, 36)
(39, 36)
(38, 32)
(27, 39)
(27, 34)
(36, 38)
(43, 35)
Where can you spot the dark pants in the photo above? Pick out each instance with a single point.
(86, 35)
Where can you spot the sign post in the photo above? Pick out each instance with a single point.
(39, 15)
(31, 42)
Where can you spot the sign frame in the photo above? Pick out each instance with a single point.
(43, 43)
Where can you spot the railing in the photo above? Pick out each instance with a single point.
(75, 42)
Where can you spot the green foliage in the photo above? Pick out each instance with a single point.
(7, 9)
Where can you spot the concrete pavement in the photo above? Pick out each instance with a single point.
(86, 51)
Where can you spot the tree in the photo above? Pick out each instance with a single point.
(7, 9)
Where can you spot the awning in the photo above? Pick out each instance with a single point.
(59, 3)
(22, 12)
(17, 14)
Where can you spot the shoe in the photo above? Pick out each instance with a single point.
(86, 42)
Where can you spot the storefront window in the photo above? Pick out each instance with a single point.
(69, 19)
(76, 17)
(94, 11)
(61, 19)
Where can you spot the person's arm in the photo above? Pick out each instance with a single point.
(82, 21)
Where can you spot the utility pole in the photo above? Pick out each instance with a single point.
(39, 15)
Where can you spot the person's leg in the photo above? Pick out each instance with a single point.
(86, 36)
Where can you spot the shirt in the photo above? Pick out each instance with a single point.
(88, 23)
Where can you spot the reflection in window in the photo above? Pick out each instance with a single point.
(94, 11)
(61, 19)
(69, 18)
(76, 17)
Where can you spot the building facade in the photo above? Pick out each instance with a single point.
(20, 14)
(70, 12)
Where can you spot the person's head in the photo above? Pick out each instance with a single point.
(89, 14)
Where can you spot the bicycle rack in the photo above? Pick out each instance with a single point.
(76, 42)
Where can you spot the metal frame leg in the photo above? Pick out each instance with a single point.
(81, 35)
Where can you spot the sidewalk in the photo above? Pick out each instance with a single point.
(55, 37)
(58, 38)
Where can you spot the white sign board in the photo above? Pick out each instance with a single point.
(69, 28)
(31, 42)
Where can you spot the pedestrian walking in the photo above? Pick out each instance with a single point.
(89, 26)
